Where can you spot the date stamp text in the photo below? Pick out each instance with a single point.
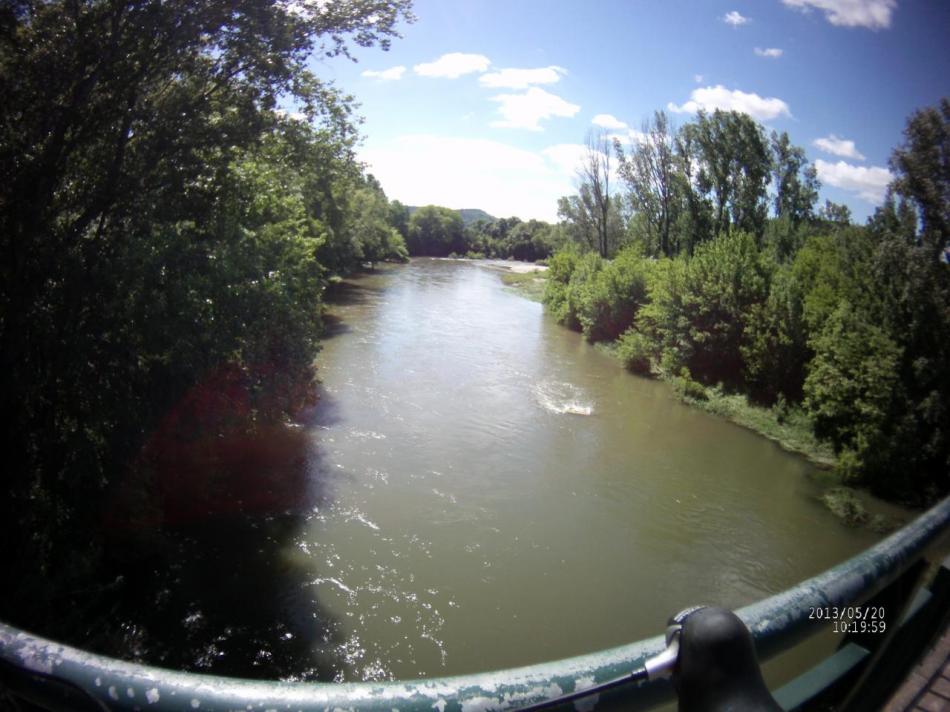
(851, 619)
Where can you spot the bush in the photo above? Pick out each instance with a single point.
(851, 391)
(688, 389)
(699, 308)
(635, 351)
(845, 505)
(610, 300)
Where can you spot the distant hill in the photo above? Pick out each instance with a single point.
(469, 215)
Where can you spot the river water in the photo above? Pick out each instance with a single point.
(475, 488)
(497, 492)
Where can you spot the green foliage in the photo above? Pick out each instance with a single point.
(699, 308)
(686, 388)
(803, 307)
(161, 221)
(580, 287)
(775, 348)
(560, 269)
(435, 232)
(845, 505)
(922, 165)
(852, 386)
(512, 239)
(399, 218)
(608, 302)
(655, 190)
(734, 161)
(635, 351)
(370, 230)
(796, 182)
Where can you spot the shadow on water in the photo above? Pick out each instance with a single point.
(325, 414)
(346, 293)
(205, 547)
(333, 326)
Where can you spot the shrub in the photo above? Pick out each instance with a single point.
(610, 300)
(635, 351)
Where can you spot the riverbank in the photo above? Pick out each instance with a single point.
(789, 426)
(527, 283)
(482, 451)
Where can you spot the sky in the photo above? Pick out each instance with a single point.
(487, 103)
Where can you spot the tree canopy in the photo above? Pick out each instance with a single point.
(162, 220)
(846, 325)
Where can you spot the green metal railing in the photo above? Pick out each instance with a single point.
(55, 676)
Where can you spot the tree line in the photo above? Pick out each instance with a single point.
(161, 218)
(435, 231)
(714, 268)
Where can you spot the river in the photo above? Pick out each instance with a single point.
(478, 488)
(502, 493)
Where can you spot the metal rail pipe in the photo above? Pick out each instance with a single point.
(48, 671)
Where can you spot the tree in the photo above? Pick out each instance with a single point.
(156, 222)
(695, 223)
(796, 182)
(399, 218)
(835, 213)
(650, 176)
(594, 175)
(369, 226)
(700, 307)
(561, 269)
(922, 167)
(851, 391)
(733, 166)
(576, 216)
(436, 232)
(608, 302)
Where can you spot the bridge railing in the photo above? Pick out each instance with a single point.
(50, 675)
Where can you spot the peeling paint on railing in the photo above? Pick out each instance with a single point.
(777, 623)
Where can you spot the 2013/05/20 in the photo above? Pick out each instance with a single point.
(847, 614)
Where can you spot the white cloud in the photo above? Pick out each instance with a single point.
(698, 78)
(718, 97)
(473, 173)
(872, 14)
(566, 157)
(293, 115)
(735, 19)
(870, 184)
(608, 121)
(391, 74)
(629, 137)
(771, 52)
(521, 78)
(524, 111)
(838, 147)
(453, 65)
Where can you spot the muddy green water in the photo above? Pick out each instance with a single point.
(490, 491)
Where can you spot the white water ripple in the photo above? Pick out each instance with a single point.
(562, 398)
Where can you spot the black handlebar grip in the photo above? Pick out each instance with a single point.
(717, 669)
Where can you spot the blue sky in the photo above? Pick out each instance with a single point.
(486, 104)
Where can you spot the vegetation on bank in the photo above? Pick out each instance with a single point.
(826, 336)
(434, 231)
(789, 426)
(168, 233)
(528, 284)
(164, 227)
